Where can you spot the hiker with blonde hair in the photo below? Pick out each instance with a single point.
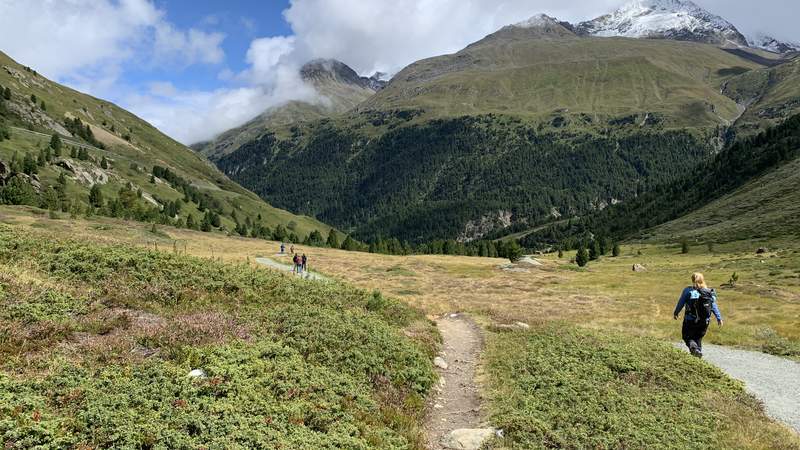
(700, 303)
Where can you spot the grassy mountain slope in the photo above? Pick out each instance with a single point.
(125, 140)
(767, 207)
(97, 341)
(529, 123)
(338, 89)
(521, 71)
(770, 94)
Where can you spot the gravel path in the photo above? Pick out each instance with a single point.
(269, 262)
(456, 403)
(774, 380)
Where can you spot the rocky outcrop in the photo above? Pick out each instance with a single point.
(477, 229)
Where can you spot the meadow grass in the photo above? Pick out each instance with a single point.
(605, 306)
(96, 341)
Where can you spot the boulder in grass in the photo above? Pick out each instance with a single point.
(639, 268)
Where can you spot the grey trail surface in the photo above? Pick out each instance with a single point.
(774, 380)
(269, 262)
(456, 401)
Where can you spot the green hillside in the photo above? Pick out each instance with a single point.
(523, 127)
(543, 74)
(131, 147)
(771, 95)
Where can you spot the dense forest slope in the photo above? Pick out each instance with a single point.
(746, 192)
(529, 124)
(106, 160)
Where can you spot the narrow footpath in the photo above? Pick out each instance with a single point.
(454, 409)
(772, 379)
(269, 262)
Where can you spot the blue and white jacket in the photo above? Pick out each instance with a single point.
(692, 293)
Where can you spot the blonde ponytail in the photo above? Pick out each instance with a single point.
(699, 281)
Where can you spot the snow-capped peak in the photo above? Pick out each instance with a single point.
(538, 20)
(666, 19)
(771, 44)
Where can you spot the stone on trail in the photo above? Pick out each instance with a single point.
(440, 363)
(468, 438)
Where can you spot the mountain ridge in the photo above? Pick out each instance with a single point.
(339, 89)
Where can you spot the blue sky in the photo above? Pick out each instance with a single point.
(241, 21)
(195, 68)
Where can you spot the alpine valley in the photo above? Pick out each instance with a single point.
(538, 122)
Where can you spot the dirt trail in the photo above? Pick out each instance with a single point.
(288, 268)
(456, 403)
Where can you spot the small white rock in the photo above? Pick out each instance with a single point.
(197, 373)
(440, 363)
(522, 325)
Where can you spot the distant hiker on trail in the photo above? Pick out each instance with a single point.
(283, 248)
(292, 249)
(304, 261)
(700, 302)
(296, 260)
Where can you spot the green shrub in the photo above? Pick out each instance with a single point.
(562, 387)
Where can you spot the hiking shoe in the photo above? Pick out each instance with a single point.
(694, 349)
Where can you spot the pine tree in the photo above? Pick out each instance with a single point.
(616, 251)
(513, 251)
(333, 240)
(62, 179)
(349, 244)
(582, 258)
(7, 93)
(29, 164)
(685, 246)
(43, 106)
(73, 153)
(16, 164)
(190, 223)
(104, 163)
(279, 234)
(594, 250)
(560, 252)
(96, 196)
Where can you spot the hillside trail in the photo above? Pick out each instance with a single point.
(456, 403)
(772, 379)
(308, 275)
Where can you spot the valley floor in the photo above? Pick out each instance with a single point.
(592, 366)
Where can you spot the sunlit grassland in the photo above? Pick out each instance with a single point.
(599, 337)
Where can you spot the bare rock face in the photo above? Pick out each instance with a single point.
(37, 186)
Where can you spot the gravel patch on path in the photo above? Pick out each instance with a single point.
(774, 380)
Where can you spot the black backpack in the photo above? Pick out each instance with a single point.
(702, 307)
